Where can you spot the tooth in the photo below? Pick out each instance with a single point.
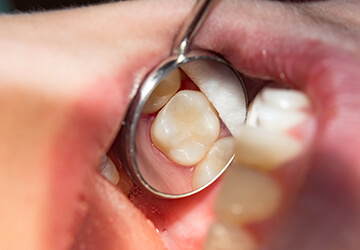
(109, 171)
(285, 98)
(222, 88)
(185, 129)
(278, 109)
(226, 237)
(214, 162)
(163, 92)
(262, 148)
(247, 196)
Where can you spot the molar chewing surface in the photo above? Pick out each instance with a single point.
(186, 128)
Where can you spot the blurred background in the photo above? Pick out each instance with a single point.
(33, 5)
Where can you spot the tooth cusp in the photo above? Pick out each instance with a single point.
(186, 127)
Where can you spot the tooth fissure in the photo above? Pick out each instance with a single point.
(185, 129)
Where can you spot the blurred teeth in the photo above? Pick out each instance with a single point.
(186, 128)
(163, 92)
(226, 237)
(218, 157)
(247, 196)
(265, 149)
(109, 171)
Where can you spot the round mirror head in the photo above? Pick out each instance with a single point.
(178, 133)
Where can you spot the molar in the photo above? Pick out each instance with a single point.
(185, 129)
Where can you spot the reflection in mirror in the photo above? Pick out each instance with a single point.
(184, 136)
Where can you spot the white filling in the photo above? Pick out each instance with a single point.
(247, 196)
(185, 129)
(163, 92)
(222, 88)
(217, 158)
(109, 171)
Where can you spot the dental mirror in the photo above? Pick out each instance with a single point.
(177, 136)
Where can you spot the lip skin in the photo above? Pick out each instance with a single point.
(310, 58)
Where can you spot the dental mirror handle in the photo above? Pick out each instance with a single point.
(191, 26)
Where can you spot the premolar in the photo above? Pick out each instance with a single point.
(247, 196)
(163, 92)
(214, 162)
(185, 129)
(109, 171)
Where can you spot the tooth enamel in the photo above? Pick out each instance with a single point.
(163, 92)
(215, 161)
(285, 98)
(109, 171)
(247, 196)
(226, 237)
(277, 109)
(262, 148)
(222, 88)
(185, 129)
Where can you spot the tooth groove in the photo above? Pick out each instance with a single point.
(247, 196)
(185, 129)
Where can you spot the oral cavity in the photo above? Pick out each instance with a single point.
(253, 190)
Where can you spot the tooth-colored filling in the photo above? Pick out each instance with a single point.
(216, 159)
(227, 237)
(185, 129)
(109, 171)
(163, 92)
(247, 196)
